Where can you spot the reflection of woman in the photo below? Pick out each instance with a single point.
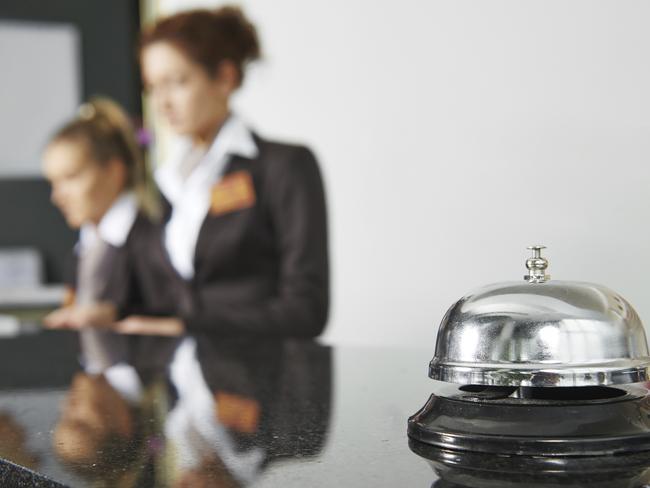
(93, 413)
(245, 238)
(98, 183)
(13, 443)
(241, 404)
(203, 447)
(96, 435)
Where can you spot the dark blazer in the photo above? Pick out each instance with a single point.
(120, 285)
(261, 270)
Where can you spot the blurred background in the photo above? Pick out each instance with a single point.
(451, 135)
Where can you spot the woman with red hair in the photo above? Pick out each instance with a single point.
(243, 247)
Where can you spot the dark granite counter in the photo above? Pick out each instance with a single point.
(203, 412)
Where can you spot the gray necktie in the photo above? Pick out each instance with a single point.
(100, 348)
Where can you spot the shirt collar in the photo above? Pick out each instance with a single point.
(234, 138)
(115, 225)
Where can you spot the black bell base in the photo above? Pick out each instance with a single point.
(600, 422)
(462, 469)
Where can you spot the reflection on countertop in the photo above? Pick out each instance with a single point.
(199, 411)
(207, 411)
(203, 411)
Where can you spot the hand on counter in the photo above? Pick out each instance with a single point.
(138, 324)
(102, 315)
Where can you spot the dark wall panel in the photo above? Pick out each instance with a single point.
(108, 30)
(27, 218)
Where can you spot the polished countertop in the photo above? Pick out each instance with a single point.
(211, 412)
(201, 411)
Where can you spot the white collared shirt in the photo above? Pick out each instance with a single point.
(115, 225)
(190, 198)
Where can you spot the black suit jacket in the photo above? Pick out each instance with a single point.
(261, 270)
(120, 285)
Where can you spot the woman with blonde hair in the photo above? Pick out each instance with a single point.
(99, 182)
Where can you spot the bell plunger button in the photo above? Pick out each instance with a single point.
(537, 265)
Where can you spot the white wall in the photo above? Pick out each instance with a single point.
(452, 134)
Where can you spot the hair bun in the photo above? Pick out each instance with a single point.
(208, 37)
(232, 20)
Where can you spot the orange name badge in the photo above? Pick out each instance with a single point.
(237, 412)
(235, 191)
